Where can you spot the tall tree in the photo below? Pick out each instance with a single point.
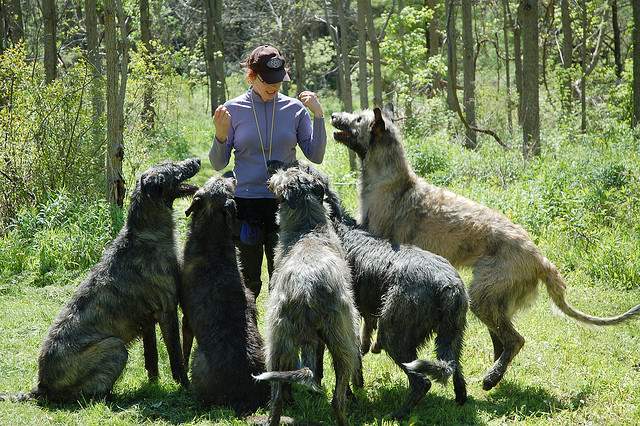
(567, 53)
(517, 57)
(617, 55)
(14, 25)
(530, 86)
(636, 63)
(452, 59)
(362, 54)
(298, 58)
(116, 88)
(507, 65)
(148, 112)
(50, 51)
(375, 56)
(345, 68)
(583, 79)
(214, 53)
(469, 73)
(93, 59)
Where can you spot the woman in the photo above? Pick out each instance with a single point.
(259, 126)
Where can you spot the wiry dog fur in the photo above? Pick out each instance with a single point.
(134, 285)
(219, 310)
(409, 294)
(310, 301)
(398, 205)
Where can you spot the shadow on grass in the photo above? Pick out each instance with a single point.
(509, 401)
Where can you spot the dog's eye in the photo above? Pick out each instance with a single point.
(359, 119)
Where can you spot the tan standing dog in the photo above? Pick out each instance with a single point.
(400, 206)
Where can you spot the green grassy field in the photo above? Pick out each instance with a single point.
(579, 201)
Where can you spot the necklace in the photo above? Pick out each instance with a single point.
(255, 117)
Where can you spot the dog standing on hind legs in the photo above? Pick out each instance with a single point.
(310, 301)
(398, 205)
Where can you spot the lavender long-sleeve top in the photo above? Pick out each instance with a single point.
(292, 126)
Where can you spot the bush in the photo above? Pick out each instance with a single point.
(47, 132)
(55, 241)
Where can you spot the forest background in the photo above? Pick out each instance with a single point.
(530, 107)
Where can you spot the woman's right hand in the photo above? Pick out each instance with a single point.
(222, 121)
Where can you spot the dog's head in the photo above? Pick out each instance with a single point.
(330, 197)
(364, 130)
(215, 197)
(165, 182)
(295, 187)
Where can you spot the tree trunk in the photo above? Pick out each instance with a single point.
(50, 51)
(298, 57)
(345, 89)
(616, 39)
(148, 111)
(93, 59)
(636, 64)
(567, 52)
(362, 55)
(506, 14)
(452, 56)
(375, 56)
(115, 148)
(14, 21)
(583, 80)
(530, 89)
(517, 58)
(3, 33)
(214, 53)
(469, 73)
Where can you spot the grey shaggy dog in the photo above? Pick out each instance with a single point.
(398, 205)
(134, 285)
(218, 309)
(310, 302)
(407, 293)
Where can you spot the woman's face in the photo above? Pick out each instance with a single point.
(266, 91)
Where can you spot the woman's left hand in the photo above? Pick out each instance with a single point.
(310, 100)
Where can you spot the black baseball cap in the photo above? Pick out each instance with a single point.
(269, 64)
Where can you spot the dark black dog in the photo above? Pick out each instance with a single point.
(411, 294)
(219, 310)
(134, 285)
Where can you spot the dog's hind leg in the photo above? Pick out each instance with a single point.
(187, 341)
(418, 384)
(449, 349)
(150, 351)
(366, 330)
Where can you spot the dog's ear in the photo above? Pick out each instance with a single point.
(151, 185)
(231, 183)
(292, 198)
(230, 213)
(318, 190)
(378, 125)
(196, 204)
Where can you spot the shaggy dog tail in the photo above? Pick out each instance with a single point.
(303, 376)
(556, 288)
(437, 370)
(19, 397)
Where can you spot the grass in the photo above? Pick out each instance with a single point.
(579, 201)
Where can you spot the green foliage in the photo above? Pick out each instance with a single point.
(405, 52)
(55, 241)
(46, 142)
(319, 59)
